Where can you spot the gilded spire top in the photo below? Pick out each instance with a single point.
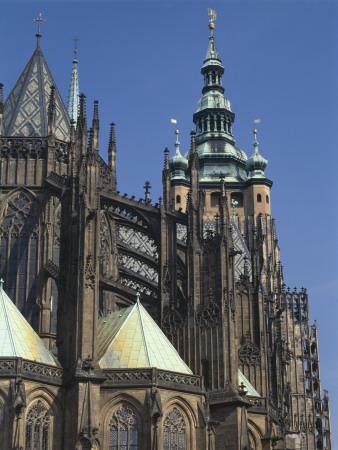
(39, 19)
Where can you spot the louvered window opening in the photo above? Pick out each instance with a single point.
(174, 432)
(123, 433)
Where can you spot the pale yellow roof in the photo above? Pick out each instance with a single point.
(249, 388)
(130, 338)
(17, 337)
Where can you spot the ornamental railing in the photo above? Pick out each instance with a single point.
(30, 370)
(152, 377)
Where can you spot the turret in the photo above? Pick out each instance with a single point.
(258, 191)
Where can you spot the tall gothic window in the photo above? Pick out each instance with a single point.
(174, 433)
(123, 433)
(19, 239)
(37, 428)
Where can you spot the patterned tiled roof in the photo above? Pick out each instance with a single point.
(17, 337)
(130, 338)
(25, 109)
(240, 246)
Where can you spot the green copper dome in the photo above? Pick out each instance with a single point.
(178, 164)
(256, 164)
(218, 155)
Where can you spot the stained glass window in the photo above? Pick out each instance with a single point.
(174, 432)
(37, 428)
(123, 434)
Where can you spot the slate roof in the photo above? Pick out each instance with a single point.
(25, 109)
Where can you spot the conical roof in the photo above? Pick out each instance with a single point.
(130, 338)
(17, 337)
(25, 109)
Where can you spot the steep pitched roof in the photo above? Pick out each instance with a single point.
(25, 109)
(17, 337)
(250, 389)
(130, 338)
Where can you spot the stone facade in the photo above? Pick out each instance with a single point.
(72, 249)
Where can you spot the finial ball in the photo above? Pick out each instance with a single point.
(255, 131)
(211, 26)
(177, 132)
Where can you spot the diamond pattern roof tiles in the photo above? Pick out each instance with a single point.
(25, 109)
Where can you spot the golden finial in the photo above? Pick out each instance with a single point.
(255, 131)
(213, 15)
(177, 132)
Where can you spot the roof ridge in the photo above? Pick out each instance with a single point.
(8, 322)
(143, 331)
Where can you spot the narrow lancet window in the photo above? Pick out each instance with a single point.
(174, 432)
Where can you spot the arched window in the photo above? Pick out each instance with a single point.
(174, 432)
(19, 244)
(178, 199)
(259, 198)
(37, 428)
(123, 434)
(267, 199)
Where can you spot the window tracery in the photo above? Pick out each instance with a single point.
(123, 434)
(174, 431)
(19, 243)
(37, 427)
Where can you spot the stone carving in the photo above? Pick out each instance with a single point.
(248, 353)
(173, 323)
(209, 316)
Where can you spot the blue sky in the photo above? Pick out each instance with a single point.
(142, 60)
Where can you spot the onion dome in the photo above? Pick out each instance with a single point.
(256, 164)
(178, 164)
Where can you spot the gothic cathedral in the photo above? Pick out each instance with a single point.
(128, 325)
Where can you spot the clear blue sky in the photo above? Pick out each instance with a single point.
(142, 60)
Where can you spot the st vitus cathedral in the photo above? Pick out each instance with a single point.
(127, 325)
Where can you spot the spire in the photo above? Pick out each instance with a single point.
(256, 164)
(112, 154)
(166, 181)
(24, 112)
(51, 113)
(178, 164)
(74, 90)
(1, 106)
(213, 120)
(95, 127)
(212, 68)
